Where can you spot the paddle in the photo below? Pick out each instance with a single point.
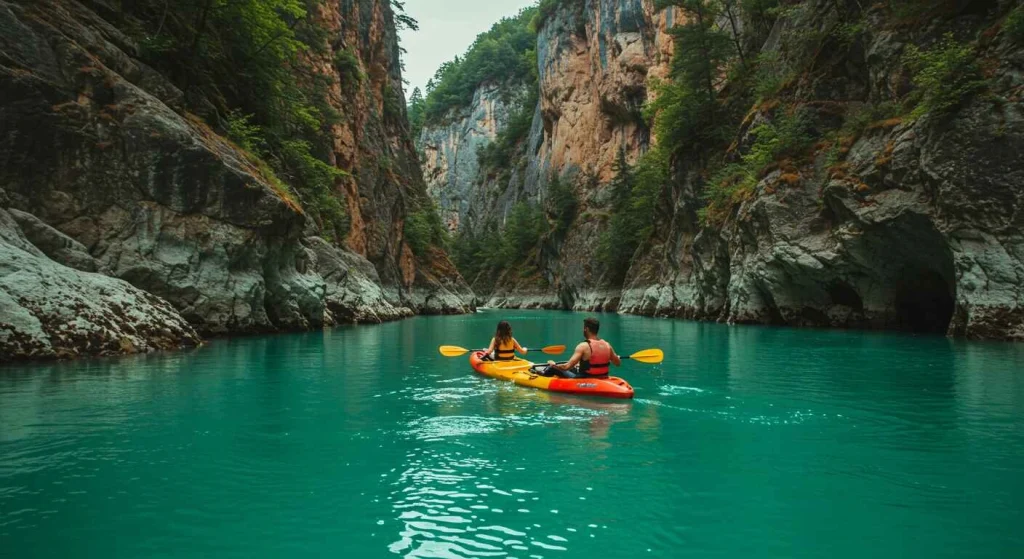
(652, 356)
(647, 356)
(455, 351)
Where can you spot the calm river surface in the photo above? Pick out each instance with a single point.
(365, 442)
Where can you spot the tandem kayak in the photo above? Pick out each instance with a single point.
(520, 372)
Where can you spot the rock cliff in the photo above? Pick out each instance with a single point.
(595, 61)
(909, 220)
(107, 170)
(915, 225)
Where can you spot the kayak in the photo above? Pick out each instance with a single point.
(520, 372)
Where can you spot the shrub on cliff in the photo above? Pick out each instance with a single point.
(546, 9)
(423, 228)
(1013, 25)
(347, 64)
(945, 75)
(788, 137)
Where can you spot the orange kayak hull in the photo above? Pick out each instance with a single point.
(518, 371)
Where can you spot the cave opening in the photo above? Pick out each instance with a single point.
(924, 302)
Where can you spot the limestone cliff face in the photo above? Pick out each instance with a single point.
(595, 61)
(373, 141)
(449, 151)
(99, 147)
(917, 226)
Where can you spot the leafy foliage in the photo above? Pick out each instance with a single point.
(402, 19)
(1013, 25)
(243, 132)
(517, 244)
(789, 136)
(701, 47)
(347, 64)
(686, 113)
(945, 75)
(423, 228)
(546, 9)
(523, 229)
(504, 54)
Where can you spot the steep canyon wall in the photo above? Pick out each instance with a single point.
(114, 176)
(914, 224)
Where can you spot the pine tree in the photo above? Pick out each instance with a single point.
(417, 106)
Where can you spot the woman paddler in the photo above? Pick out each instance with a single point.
(503, 345)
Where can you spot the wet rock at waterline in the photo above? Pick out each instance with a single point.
(48, 310)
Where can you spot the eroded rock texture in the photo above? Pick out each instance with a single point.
(106, 171)
(917, 226)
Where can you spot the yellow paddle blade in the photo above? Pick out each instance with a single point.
(648, 356)
(452, 350)
(554, 349)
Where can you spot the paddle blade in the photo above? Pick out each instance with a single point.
(452, 350)
(648, 356)
(554, 349)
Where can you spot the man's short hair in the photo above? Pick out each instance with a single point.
(592, 324)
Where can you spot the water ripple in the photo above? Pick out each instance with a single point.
(463, 523)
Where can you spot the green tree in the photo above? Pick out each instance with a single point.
(701, 48)
(636, 193)
(523, 230)
(416, 112)
(561, 206)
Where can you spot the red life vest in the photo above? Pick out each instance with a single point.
(600, 358)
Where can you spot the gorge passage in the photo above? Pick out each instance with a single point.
(172, 171)
(808, 163)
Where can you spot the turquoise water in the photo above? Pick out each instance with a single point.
(364, 442)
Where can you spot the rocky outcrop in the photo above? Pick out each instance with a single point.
(107, 171)
(595, 62)
(915, 227)
(926, 238)
(49, 311)
(449, 150)
(372, 140)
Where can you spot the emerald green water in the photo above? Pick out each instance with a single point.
(364, 442)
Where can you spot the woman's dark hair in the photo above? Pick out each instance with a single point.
(592, 324)
(504, 334)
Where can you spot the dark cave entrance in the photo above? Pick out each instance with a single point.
(924, 302)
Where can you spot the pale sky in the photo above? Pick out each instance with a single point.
(447, 28)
